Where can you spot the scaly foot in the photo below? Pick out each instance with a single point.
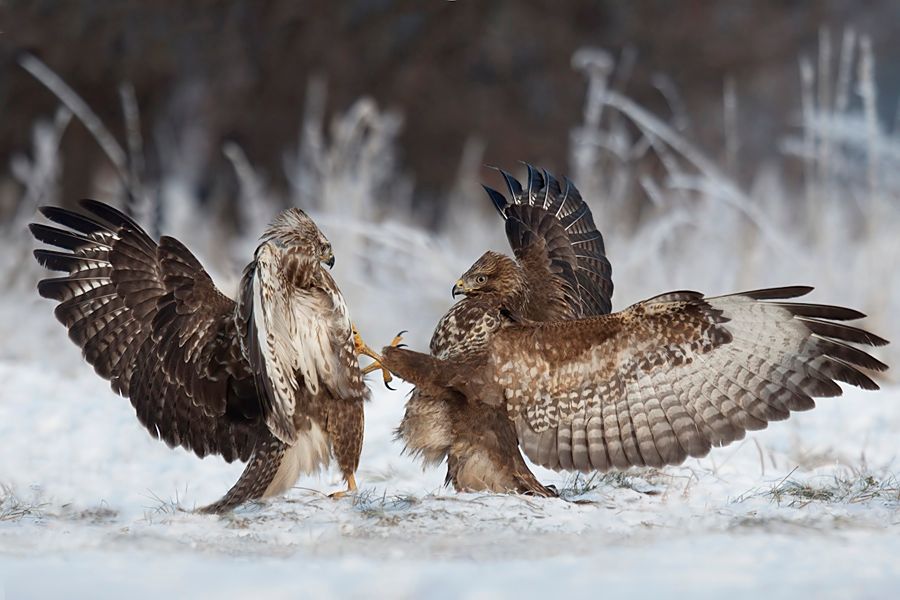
(363, 349)
(351, 487)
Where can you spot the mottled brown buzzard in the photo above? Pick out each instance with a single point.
(272, 378)
(531, 358)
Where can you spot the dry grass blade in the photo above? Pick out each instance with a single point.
(14, 508)
(850, 487)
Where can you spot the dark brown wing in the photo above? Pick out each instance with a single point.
(672, 376)
(148, 317)
(552, 233)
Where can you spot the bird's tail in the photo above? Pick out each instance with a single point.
(258, 475)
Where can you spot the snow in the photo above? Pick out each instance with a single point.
(106, 509)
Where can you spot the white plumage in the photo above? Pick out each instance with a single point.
(294, 328)
(306, 456)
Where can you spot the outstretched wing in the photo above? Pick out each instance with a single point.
(553, 236)
(148, 318)
(672, 376)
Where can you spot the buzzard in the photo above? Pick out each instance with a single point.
(271, 378)
(532, 358)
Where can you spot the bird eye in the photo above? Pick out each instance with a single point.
(480, 279)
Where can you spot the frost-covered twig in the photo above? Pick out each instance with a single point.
(730, 121)
(40, 173)
(40, 177)
(353, 166)
(254, 211)
(867, 91)
(845, 68)
(131, 113)
(808, 111)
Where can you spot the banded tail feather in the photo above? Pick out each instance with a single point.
(256, 478)
(558, 221)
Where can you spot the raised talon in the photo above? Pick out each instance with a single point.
(386, 377)
(363, 349)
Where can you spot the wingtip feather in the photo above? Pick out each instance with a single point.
(497, 199)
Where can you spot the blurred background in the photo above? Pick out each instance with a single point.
(721, 145)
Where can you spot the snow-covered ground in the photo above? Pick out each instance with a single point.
(93, 506)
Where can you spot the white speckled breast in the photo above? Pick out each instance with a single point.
(465, 329)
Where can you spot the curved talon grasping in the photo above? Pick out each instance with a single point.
(363, 349)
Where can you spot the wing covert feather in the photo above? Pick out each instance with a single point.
(672, 376)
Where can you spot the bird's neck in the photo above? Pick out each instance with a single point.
(513, 299)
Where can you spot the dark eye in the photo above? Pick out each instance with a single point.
(480, 279)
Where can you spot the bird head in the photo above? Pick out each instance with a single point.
(493, 273)
(293, 229)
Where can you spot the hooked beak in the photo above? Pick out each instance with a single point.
(329, 260)
(459, 289)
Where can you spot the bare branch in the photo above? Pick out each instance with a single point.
(81, 110)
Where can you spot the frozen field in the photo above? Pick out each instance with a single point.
(92, 507)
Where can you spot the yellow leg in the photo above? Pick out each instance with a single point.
(351, 487)
(363, 349)
(373, 367)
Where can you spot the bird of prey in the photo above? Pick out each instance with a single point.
(272, 378)
(531, 357)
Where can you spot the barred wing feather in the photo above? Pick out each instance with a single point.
(673, 376)
(552, 233)
(149, 319)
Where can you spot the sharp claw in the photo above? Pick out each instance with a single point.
(400, 346)
(397, 339)
(402, 333)
(388, 386)
(363, 349)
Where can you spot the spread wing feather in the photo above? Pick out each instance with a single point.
(149, 319)
(552, 233)
(672, 376)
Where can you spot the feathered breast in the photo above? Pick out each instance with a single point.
(299, 334)
(465, 329)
